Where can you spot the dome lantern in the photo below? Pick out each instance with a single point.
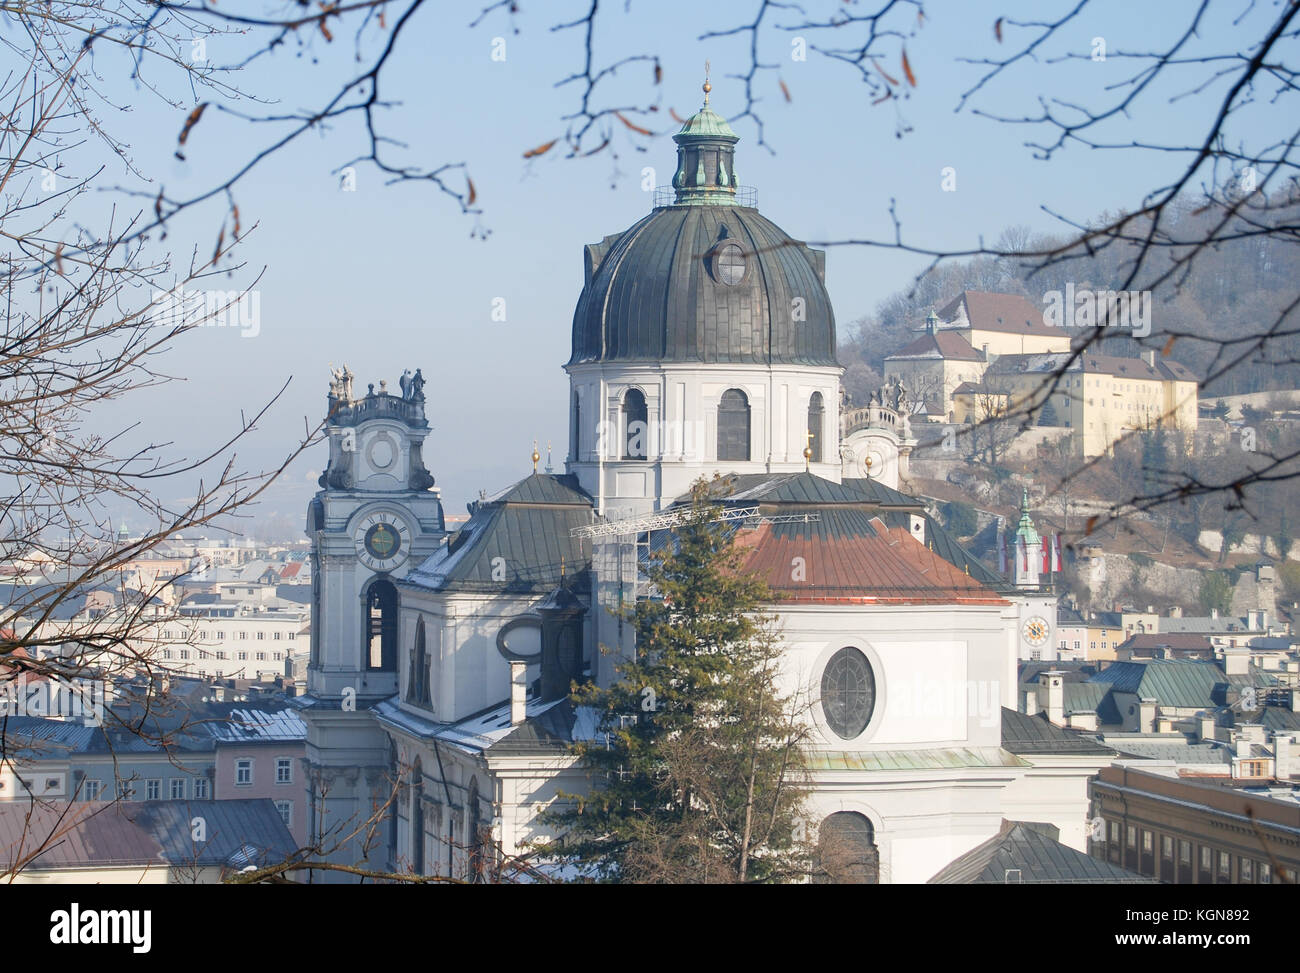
(706, 153)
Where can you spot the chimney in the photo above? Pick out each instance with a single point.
(1146, 715)
(1243, 747)
(1205, 724)
(1031, 703)
(518, 691)
(1149, 356)
(1282, 757)
(1236, 660)
(1214, 613)
(1051, 687)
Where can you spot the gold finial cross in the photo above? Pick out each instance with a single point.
(536, 455)
(707, 87)
(807, 452)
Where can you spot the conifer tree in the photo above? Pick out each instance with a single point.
(699, 762)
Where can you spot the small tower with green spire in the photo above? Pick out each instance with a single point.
(706, 158)
(1029, 547)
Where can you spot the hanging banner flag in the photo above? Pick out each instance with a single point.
(1045, 544)
(1056, 552)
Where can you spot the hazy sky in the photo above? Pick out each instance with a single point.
(387, 278)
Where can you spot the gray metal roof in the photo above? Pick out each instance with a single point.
(1177, 751)
(650, 294)
(518, 542)
(260, 726)
(1202, 623)
(101, 834)
(1176, 683)
(1023, 854)
(548, 727)
(1038, 735)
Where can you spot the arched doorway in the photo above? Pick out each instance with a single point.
(846, 851)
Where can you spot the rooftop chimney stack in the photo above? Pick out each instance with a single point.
(518, 692)
(1031, 703)
(1051, 685)
(1282, 757)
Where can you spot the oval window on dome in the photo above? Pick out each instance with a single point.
(848, 693)
(729, 264)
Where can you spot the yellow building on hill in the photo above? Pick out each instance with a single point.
(1000, 324)
(960, 341)
(1099, 398)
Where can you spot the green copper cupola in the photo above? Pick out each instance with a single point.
(706, 153)
(1025, 529)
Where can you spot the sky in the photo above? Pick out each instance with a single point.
(387, 278)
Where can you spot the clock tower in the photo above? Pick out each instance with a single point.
(1037, 623)
(376, 518)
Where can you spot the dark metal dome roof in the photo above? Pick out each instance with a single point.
(659, 292)
(704, 278)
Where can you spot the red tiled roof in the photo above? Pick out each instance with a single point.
(999, 312)
(943, 344)
(290, 570)
(891, 567)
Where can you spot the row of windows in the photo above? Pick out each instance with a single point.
(91, 789)
(1249, 870)
(733, 425)
(220, 655)
(261, 636)
(244, 771)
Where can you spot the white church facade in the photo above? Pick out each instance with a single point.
(437, 704)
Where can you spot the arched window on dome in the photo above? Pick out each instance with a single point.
(816, 418)
(846, 851)
(379, 627)
(733, 426)
(635, 427)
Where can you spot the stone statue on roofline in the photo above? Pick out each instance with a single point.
(341, 383)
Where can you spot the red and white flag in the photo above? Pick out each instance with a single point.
(1047, 554)
(1056, 552)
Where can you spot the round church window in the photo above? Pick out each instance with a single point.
(730, 264)
(848, 693)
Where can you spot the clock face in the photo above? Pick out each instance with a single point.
(381, 542)
(1035, 630)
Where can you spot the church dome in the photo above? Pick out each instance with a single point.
(704, 278)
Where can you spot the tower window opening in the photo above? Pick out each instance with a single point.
(635, 425)
(380, 633)
(816, 415)
(733, 426)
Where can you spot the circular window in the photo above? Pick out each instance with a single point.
(848, 693)
(729, 264)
